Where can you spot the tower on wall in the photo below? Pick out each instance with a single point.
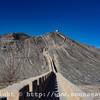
(57, 30)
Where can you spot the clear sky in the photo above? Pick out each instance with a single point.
(78, 19)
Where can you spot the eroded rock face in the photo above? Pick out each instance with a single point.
(22, 56)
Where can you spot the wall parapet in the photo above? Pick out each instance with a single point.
(18, 91)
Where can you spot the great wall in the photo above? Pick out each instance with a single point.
(49, 86)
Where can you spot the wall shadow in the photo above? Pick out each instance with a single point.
(3, 98)
(51, 89)
(45, 88)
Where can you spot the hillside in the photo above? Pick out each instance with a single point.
(22, 56)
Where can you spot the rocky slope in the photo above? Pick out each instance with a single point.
(22, 56)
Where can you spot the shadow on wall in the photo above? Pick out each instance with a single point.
(3, 98)
(46, 90)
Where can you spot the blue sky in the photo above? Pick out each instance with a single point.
(78, 19)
